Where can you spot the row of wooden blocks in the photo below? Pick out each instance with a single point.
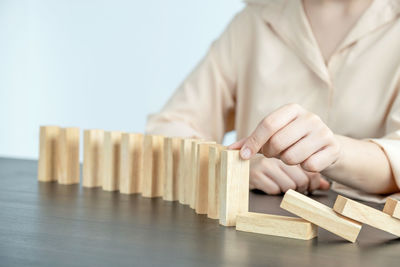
(204, 175)
(345, 219)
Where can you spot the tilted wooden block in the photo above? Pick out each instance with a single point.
(68, 156)
(92, 151)
(111, 160)
(214, 180)
(201, 193)
(392, 207)
(321, 215)
(365, 214)
(234, 188)
(153, 166)
(48, 146)
(131, 163)
(184, 172)
(171, 158)
(276, 225)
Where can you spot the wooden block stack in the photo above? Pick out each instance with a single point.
(204, 175)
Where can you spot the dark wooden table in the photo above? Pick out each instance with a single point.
(46, 224)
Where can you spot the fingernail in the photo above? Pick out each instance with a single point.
(245, 153)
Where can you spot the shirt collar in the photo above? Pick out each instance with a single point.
(288, 19)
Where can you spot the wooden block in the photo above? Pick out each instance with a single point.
(92, 156)
(234, 188)
(111, 160)
(47, 153)
(171, 158)
(193, 174)
(321, 215)
(214, 180)
(131, 163)
(392, 207)
(365, 214)
(276, 225)
(153, 166)
(201, 193)
(184, 176)
(68, 156)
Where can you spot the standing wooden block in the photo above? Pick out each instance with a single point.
(92, 156)
(185, 172)
(171, 158)
(201, 193)
(392, 207)
(47, 153)
(111, 161)
(276, 225)
(131, 163)
(234, 188)
(153, 166)
(365, 214)
(214, 180)
(68, 156)
(320, 215)
(193, 174)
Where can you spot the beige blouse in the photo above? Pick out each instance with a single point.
(268, 57)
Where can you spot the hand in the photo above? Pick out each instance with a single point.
(274, 177)
(295, 136)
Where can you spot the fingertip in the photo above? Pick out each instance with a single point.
(324, 184)
(245, 153)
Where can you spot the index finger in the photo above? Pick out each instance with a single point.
(268, 127)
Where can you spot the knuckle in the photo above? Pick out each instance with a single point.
(275, 145)
(268, 123)
(295, 106)
(289, 157)
(312, 165)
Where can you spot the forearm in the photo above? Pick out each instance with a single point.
(362, 165)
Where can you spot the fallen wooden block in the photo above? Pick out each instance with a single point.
(276, 225)
(201, 193)
(131, 163)
(171, 158)
(234, 188)
(92, 156)
(153, 166)
(48, 146)
(321, 215)
(392, 207)
(214, 180)
(68, 156)
(365, 214)
(184, 173)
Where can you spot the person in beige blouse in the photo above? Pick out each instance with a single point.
(312, 89)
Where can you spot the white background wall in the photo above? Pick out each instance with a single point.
(96, 64)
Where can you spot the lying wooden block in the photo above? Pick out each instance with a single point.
(392, 207)
(214, 180)
(111, 160)
(184, 173)
(201, 193)
(92, 156)
(68, 156)
(320, 215)
(48, 146)
(276, 225)
(365, 214)
(171, 158)
(153, 166)
(131, 163)
(234, 188)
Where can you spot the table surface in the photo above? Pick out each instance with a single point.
(47, 224)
